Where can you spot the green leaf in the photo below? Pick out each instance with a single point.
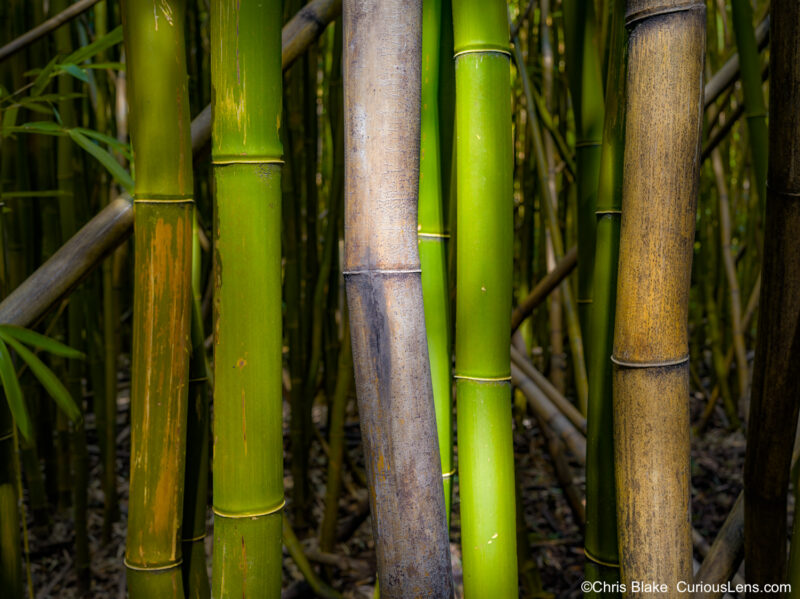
(16, 404)
(75, 71)
(43, 127)
(107, 160)
(112, 38)
(43, 78)
(50, 98)
(39, 107)
(114, 66)
(113, 142)
(49, 381)
(39, 341)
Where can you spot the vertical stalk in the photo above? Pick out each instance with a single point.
(163, 217)
(433, 234)
(651, 374)
(601, 548)
(10, 555)
(384, 296)
(776, 386)
(247, 156)
(484, 263)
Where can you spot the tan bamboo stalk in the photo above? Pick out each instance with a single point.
(725, 555)
(729, 262)
(543, 288)
(384, 296)
(776, 386)
(651, 374)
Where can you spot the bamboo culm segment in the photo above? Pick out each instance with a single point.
(163, 217)
(776, 386)
(651, 374)
(601, 547)
(384, 296)
(433, 237)
(484, 262)
(246, 153)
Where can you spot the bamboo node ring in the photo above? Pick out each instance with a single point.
(267, 512)
(588, 143)
(783, 192)
(609, 211)
(226, 160)
(584, 300)
(486, 50)
(434, 235)
(662, 364)
(168, 566)
(634, 17)
(449, 474)
(383, 271)
(481, 379)
(596, 560)
(194, 539)
(154, 198)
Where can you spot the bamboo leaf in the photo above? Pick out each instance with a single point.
(75, 71)
(14, 393)
(43, 78)
(49, 381)
(113, 142)
(43, 127)
(112, 38)
(107, 160)
(39, 341)
(114, 66)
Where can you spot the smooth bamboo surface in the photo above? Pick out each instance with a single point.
(651, 375)
(163, 220)
(484, 262)
(384, 296)
(776, 386)
(543, 288)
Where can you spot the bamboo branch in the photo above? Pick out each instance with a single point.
(543, 288)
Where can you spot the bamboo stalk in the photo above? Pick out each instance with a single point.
(775, 387)
(10, 555)
(247, 158)
(651, 374)
(433, 235)
(384, 296)
(162, 293)
(484, 257)
(725, 555)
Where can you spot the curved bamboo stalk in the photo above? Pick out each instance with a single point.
(776, 386)
(433, 235)
(484, 262)
(725, 555)
(112, 225)
(48, 26)
(247, 158)
(651, 374)
(384, 296)
(543, 288)
(601, 547)
(162, 294)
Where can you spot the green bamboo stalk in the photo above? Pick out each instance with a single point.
(433, 235)
(160, 134)
(600, 545)
(755, 107)
(246, 152)
(586, 90)
(384, 297)
(484, 258)
(651, 370)
(776, 387)
(10, 553)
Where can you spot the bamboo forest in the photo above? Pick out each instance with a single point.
(479, 299)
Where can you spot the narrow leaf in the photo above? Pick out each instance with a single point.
(39, 341)
(43, 78)
(75, 71)
(111, 38)
(107, 160)
(112, 142)
(49, 381)
(14, 393)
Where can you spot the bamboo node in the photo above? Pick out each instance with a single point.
(597, 560)
(449, 474)
(783, 192)
(583, 300)
(226, 160)
(194, 539)
(588, 143)
(482, 379)
(383, 271)
(169, 566)
(609, 211)
(267, 512)
(633, 18)
(156, 198)
(483, 50)
(434, 235)
(662, 364)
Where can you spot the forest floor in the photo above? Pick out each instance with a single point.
(554, 536)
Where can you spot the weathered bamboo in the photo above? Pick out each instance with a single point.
(725, 555)
(484, 263)
(651, 375)
(247, 158)
(162, 293)
(776, 386)
(384, 296)
(112, 225)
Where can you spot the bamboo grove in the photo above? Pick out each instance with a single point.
(427, 298)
